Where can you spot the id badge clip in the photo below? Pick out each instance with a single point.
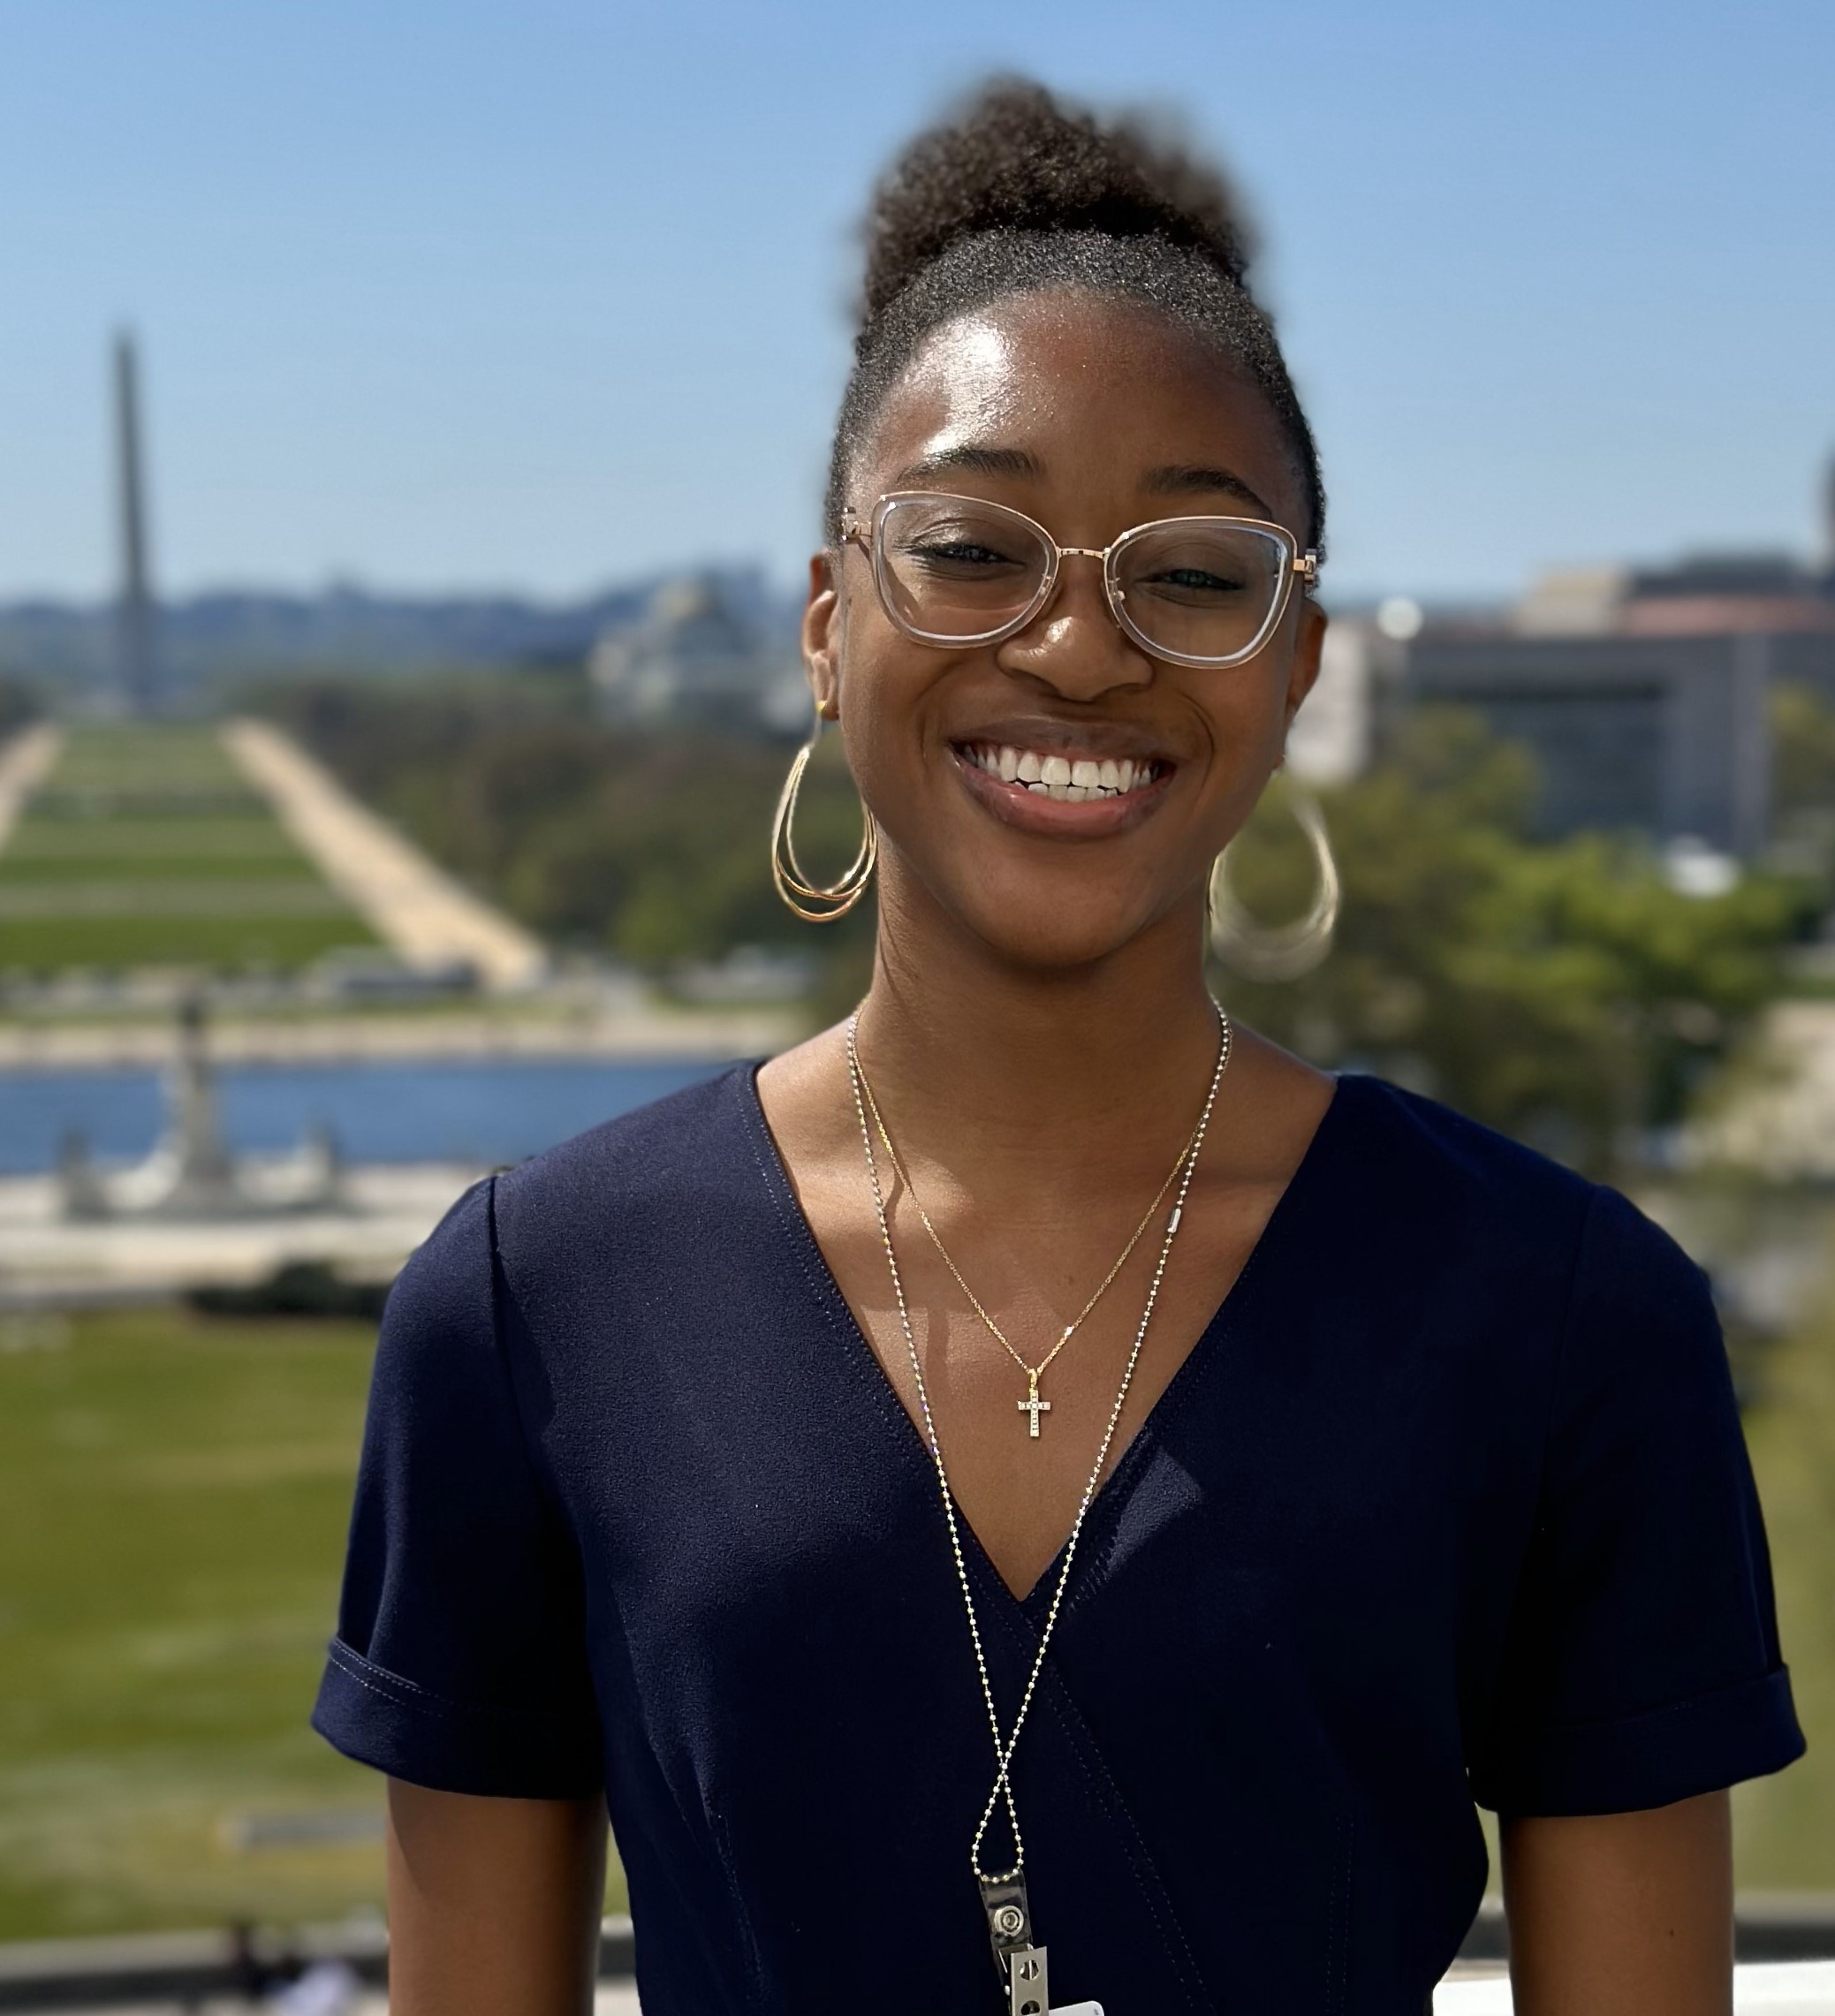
(1021, 1964)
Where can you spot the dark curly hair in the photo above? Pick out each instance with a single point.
(1019, 192)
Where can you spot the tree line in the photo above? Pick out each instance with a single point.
(1559, 989)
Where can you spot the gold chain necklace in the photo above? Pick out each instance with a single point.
(1003, 1898)
(1032, 1406)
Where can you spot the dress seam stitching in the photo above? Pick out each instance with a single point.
(1108, 1795)
(1547, 1730)
(826, 1293)
(404, 1693)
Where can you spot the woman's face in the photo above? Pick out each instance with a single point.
(1091, 416)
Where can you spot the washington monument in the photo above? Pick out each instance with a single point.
(136, 672)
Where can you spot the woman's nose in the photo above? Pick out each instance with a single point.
(1074, 645)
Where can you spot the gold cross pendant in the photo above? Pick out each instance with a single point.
(1032, 1405)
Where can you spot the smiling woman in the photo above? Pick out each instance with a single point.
(1038, 1477)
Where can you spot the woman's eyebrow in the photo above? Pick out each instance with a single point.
(1183, 479)
(982, 461)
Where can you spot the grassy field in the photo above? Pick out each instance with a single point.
(144, 847)
(1785, 1825)
(173, 1493)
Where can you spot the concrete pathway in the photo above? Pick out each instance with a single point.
(387, 1212)
(25, 761)
(410, 903)
(629, 1029)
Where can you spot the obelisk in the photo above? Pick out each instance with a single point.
(135, 669)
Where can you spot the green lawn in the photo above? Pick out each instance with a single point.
(139, 757)
(173, 1496)
(1785, 1825)
(144, 848)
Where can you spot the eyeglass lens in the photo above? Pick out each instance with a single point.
(957, 568)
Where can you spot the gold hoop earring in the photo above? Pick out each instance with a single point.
(1278, 951)
(815, 901)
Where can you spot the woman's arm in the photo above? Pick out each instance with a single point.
(494, 1904)
(1622, 1914)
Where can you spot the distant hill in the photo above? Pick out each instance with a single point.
(241, 633)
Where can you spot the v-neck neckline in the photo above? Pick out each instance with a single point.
(1109, 1489)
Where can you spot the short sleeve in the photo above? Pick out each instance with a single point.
(1641, 1664)
(461, 1659)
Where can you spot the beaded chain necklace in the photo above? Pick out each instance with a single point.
(1021, 1963)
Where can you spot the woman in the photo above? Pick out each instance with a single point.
(1410, 1463)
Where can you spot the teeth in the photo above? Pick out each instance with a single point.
(1066, 780)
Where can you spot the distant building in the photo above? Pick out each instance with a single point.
(1644, 694)
(698, 657)
(1664, 736)
(1332, 735)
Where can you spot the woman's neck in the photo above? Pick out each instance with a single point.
(1011, 1070)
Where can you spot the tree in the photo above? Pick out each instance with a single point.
(1560, 991)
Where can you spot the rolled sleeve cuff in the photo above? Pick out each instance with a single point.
(379, 1719)
(1650, 1759)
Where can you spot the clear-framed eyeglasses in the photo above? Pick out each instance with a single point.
(1197, 591)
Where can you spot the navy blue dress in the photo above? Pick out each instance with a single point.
(1449, 1503)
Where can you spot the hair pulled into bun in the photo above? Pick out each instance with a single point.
(1015, 159)
(1018, 192)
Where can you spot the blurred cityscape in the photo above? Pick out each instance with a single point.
(312, 908)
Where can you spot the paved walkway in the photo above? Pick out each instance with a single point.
(632, 1029)
(24, 763)
(409, 903)
(386, 1214)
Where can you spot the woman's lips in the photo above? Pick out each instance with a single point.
(1062, 794)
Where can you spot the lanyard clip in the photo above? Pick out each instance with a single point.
(1021, 1964)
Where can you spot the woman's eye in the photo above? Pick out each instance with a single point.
(1195, 580)
(958, 555)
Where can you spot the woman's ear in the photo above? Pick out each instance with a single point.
(822, 626)
(1308, 641)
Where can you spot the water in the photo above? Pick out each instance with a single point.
(487, 1111)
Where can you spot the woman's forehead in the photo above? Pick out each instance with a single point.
(1085, 388)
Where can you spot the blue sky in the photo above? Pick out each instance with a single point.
(539, 296)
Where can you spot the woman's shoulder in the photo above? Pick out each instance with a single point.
(691, 1144)
(635, 1191)
(1436, 1143)
(1452, 1184)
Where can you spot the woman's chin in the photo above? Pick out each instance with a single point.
(1048, 936)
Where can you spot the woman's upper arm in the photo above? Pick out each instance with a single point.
(461, 1657)
(494, 1904)
(1622, 1913)
(1641, 1664)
